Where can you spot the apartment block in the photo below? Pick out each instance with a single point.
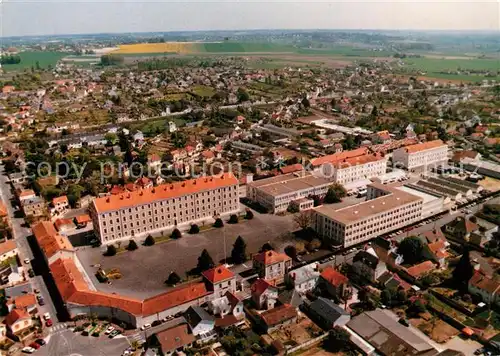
(277, 193)
(421, 156)
(385, 209)
(350, 166)
(138, 213)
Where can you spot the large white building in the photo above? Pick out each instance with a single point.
(134, 214)
(421, 156)
(277, 193)
(350, 166)
(385, 209)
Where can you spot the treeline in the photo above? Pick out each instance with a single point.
(109, 60)
(10, 59)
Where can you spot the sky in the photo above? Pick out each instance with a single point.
(54, 17)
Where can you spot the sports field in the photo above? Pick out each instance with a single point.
(29, 58)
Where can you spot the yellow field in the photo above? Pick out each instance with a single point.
(170, 47)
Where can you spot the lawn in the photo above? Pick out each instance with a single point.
(29, 58)
(203, 91)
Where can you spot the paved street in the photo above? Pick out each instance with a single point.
(20, 234)
(66, 343)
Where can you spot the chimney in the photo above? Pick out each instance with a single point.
(107, 200)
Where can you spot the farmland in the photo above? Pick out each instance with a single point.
(29, 59)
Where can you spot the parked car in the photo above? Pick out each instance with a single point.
(26, 261)
(109, 329)
(145, 327)
(31, 273)
(46, 316)
(48, 323)
(35, 345)
(156, 323)
(28, 350)
(404, 322)
(40, 299)
(40, 342)
(36, 290)
(114, 333)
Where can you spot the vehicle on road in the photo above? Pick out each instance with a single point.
(48, 323)
(36, 290)
(31, 273)
(40, 299)
(109, 329)
(156, 323)
(46, 316)
(114, 333)
(145, 327)
(28, 350)
(35, 345)
(26, 261)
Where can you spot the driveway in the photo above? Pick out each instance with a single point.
(145, 270)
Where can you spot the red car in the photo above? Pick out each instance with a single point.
(35, 345)
(48, 322)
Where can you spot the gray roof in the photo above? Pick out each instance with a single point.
(327, 309)
(291, 297)
(195, 315)
(388, 336)
(305, 273)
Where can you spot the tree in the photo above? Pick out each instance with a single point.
(267, 247)
(304, 219)
(242, 95)
(112, 138)
(387, 296)
(335, 194)
(464, 270)
(218, 223)
(416, 308)
(150, 241)
(110, 251)
(205, 261)
(194, 229)
(411, 248)
(291, 252)
(233, 219)
(239, 252)
(314, 244)
(306, 103)
(249, 214)
(338, 340)
(132, 245)
(300, 247)
(173, 279)
(176, 234)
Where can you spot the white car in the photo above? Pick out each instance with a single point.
(28, 350)
(26, 260)
(145, 326)
(109, 329)
(46, 316)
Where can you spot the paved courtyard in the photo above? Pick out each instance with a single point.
(67, 343)
(145, 270)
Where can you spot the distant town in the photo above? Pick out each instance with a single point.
(164, 195)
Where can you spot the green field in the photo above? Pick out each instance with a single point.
(242, 47)
(434, 67)
(344, 51)
(29, 59)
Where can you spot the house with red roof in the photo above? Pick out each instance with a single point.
(272, 266)
(18, 321)
(220, 280)
(334, 284)
(278, 317)
(485, 287)
(463, 229)
(264, 294)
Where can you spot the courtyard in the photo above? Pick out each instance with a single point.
(145, 270)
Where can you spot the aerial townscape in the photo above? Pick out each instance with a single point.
(240, 192)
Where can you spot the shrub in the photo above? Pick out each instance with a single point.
(150, 241)
(233, 219)
(249, 215)
(132, 245)
(194, 229)
(173, 279)
(111, 251)
(218, 223)
(291, 251)
(314, 244)
(176, 234)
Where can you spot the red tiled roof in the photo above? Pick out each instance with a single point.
(421, 269)
(60, 200)
(83, 219)
(24, 301)
(3, 209)
(49, 240)
(292, 168)
(279, 315)
(7, 246)
(165, 191)
(260, 286)
(174, 338)
(177, 296)
(482, 282)
(59, 223)
(424, 146)
(218, 274)
(15, 315)
(337, 157)
(333, 276)
(117, 189)
(271, 257)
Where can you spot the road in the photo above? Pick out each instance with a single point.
(20, 235)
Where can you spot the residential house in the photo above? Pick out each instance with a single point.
(18, 321)
(436, 251)
(334, 284)
(272, 266)
(8, 249)
(25, 194)
(368, 265)
(327, 314)
(138, 136)
(485, 287)
(220, 280)
(64, 225)
(34, 207)
(228, 311)
(202, 324)
(25, 302)
(303, 279)
(81, 221)
(173, 340)
(264, 294)
(84, 202)
(420, 270)
(278, 317)
(154, 162)
(463, 229)
(61, 205)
